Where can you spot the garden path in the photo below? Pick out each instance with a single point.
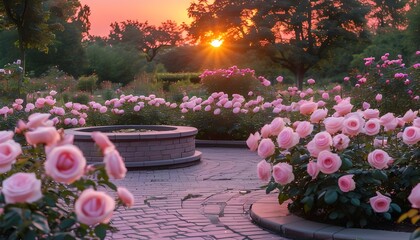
(209, 200)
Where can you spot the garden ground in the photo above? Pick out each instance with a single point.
(209, 200)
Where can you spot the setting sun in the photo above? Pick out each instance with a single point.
(216, 43)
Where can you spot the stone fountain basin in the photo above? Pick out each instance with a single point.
(160, 145)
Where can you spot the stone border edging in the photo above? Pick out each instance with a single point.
(268, 214)
(220, 143)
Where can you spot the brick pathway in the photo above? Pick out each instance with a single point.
(209, 200)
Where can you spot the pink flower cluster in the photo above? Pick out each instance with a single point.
(65, 164)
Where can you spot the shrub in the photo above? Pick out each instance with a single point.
(87, 83)
(232, 80)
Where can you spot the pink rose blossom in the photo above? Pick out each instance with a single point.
(378, 97)
(325, 95)
(377, 143)
(414, 196)
(311, 81)
(416, 122)
(42, 135)
(411, 135)
(264, 170)
(22, 188)
(217, 111)
(65, 164)
(371, 113)
(266, 148)
(6, 136)
(277, 125)
(38, 120)
(9, 150)
(379, 159)
(343, 107)
(352, 125)
(380, 203)
(318, 115)
(365, 105)
(287, 138)
(389, 121)
(308, 107)
(328, 162)
(409, 116)
(323, 140)
(346, 183)
(94, 207)
(313, 150)
(252, 141)
(265, 131)
(341, 141)
(279, 79)
(114, 164)
(333, 124)
(312, 169)
(304, 129)
(283, 173)
(126, 196)
(102, 141)
(372, 127)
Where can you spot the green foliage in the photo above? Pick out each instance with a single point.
(81, 97)
(175, 77)
(87, 83)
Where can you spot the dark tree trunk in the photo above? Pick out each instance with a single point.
(300, 74)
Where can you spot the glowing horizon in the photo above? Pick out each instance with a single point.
(105, 12)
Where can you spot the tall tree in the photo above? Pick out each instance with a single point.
(295, 33)
(387, 13)
(30, 18)
(146, 38)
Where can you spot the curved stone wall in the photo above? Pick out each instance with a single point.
(160, 146)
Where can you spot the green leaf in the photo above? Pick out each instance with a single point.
(295, 158)
(282, 198)
(100, 231)
(270, 187)
(40, 222)
(363, 222)
(346, 164)
(387, 216)
(355, 202)
(395, 207)
(330, 197)
(30, 235)
(333, 215)
(66, 223)
(380, 175)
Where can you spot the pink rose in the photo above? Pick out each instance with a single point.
(311, 81)
(287, 138)
(265, 131)
(389, 121)
(313, 150)
(279, 79)
(380, 203)
(353, 125)
(318, 115)
(43, 135)
(411, 135)
(38, 120)
(266, 148)
(416, 122)
(333, 124)
(341, 141)
(6, 136)
(379, 159)
(414, 196)
(343, 107)
(308, 107)
(277, 126)
(378, 97)
(94, 207)
(65, 164)
(328, 162)
(304, 129)
(102, 140)
(325, 95)
(264, 170)
(346, 183)
(283, 173)
(409, 116)
(365, 105)
(372, 127)
(21, 188)
(371, 113)
(312, 169)
(252, 141)
(323, 140)
(9, 150)
(126, 196)
(114, 164)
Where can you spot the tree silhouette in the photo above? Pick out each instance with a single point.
(295, 33)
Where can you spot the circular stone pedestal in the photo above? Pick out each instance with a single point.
(142, 145)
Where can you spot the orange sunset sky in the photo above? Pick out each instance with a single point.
(104, 12)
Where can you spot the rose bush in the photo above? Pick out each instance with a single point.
(67, 203)
(352, 167)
